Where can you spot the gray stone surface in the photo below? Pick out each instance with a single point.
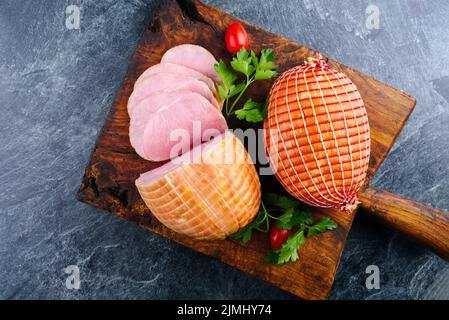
(57, 85)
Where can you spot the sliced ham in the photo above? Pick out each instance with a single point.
(169, 82)
(156, 101)
(173, 128)
(144, 110)
(194, 57)
(175, 69)
(207, 193)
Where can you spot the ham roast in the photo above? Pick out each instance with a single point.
(317, 135)
(208, 193)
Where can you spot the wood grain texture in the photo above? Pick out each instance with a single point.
(425, 224)
(108, 182)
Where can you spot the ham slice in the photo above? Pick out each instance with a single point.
(169, 82)
(157, 135)
(175, 69)
(207, 193)
(193, 57)
(144, 110)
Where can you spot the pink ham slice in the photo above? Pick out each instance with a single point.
(156, 101)
(207, 193)
(169, 82)
(174, 128)
(193, 57)
(144, 110)
(175, 69)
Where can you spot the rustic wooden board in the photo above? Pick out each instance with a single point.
(108, 182)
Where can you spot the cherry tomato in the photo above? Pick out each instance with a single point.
(278, 236)
(236, 38)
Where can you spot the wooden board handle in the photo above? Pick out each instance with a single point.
(423, 223)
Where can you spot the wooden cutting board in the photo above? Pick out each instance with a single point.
(108, 182)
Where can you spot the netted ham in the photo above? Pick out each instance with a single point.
(194, 57)
(317, 135)
(160, 131)
(208, 193)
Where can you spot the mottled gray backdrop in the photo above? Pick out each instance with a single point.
(57, 85)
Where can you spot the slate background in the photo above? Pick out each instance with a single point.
(57, 85)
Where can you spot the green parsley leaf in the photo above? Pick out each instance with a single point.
(278, 201)
(284, 220)
(233, 90)
(266, 61)
(265, 66)
(242, 62)
(252, 111)
(227, 75)
(242, 55)
(254, 59)
(245, 234)
(289, 250)
(301, 217)
(265, 74)
(272, 257)
(223, 92)
(294, 217)
(321, 226)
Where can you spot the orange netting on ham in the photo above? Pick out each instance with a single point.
(317, 135)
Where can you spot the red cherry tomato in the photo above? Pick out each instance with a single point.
(278, 236)
(236, 38)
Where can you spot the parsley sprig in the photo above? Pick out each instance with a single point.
(288, 213)
(253, 69)
(289, 250)
(260, 223)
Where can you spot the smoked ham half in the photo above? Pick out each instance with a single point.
(317, 135)
(208, 193)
